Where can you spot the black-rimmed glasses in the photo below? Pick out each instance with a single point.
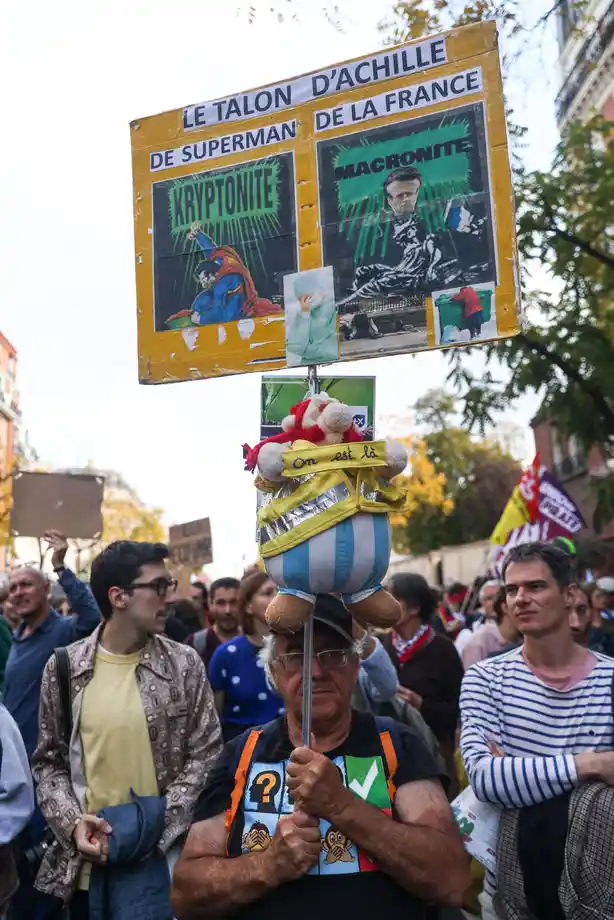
(161, 586)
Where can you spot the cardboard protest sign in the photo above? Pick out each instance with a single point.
(190, 544)
(279, 394)
(70, 503)
(360, 210)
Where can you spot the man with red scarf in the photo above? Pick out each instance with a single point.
(429, 667)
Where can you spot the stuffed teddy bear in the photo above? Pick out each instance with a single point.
(323, 523)
(319, 420)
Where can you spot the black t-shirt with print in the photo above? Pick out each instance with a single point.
(345, 882)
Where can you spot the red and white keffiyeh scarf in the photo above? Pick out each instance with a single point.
(407, 648)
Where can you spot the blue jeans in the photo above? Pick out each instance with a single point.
(30, 904)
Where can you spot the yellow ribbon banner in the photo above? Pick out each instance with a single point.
(303, 461)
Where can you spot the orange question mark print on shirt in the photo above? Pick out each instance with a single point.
(268, 781)
(263, 789)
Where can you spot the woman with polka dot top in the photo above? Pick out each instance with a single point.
(237, 677)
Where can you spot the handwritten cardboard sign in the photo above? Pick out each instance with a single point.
(190, 544)
(68, 502)
(302, 458)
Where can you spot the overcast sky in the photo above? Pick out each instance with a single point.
(74, 74)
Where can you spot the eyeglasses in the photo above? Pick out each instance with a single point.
(161, 586)
(329, 660)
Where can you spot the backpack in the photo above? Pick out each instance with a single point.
(62, 664)
(199, 641)
(409, 715)
(402, 712)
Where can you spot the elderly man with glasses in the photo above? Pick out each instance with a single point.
(354, 824)
(144, 734)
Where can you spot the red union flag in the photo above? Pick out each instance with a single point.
(529, 489)
(522, 508)
(539, 510)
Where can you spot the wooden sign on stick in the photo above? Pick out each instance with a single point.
(190, 544)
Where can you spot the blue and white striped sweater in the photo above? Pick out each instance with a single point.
(538, 728)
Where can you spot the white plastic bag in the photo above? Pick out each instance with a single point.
(478, 823)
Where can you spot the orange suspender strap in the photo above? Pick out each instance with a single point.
(241, 778)
(392, 762)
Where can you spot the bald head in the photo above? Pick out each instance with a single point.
(30, 570)
(28, 594)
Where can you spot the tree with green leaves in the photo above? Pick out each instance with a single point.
(287, 10)
(565, 351)
(479, 478)
(521, 25)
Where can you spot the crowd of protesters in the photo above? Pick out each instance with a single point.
(147, 739)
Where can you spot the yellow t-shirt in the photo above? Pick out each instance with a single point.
(117, 752)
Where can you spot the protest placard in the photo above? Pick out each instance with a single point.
(190, 544)
(279, 394)
(68, 502)
(364, 209)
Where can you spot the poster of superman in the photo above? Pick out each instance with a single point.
(223, 240)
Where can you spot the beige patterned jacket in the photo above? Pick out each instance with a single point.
(185, 740)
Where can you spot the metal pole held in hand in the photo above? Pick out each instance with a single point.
(314, 388)
(307, 679)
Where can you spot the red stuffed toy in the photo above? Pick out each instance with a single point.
(302, 425)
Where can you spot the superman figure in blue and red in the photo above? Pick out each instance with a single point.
(354, 826)
(228, 292)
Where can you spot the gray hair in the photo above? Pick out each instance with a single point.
(493, 583)
(31, 569)
(267, 655)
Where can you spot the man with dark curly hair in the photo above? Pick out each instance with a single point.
(145, 734)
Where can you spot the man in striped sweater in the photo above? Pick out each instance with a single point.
(537, 721)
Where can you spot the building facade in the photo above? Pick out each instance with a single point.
(576, 469)
(9, 435)
(586, 61)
